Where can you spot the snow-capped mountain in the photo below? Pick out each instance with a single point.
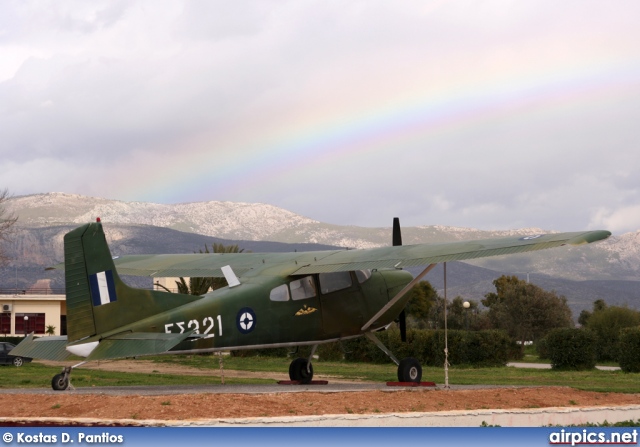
(616, 258)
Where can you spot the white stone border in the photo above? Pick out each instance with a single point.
(538, 417)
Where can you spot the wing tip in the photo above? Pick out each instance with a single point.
(590, 237)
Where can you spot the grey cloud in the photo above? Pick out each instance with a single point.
(149, 78)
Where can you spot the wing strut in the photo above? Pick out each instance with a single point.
(396, 298)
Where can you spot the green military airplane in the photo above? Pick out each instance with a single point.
(272, 300)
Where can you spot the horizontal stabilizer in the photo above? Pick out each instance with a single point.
(46, 348)
(133, 344)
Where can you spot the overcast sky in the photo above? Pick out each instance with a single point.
(485, 114)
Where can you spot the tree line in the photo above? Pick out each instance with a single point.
(528, 313)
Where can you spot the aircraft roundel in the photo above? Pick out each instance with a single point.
(528, 238)
(246, 320)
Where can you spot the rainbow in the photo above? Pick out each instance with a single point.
(229, 165)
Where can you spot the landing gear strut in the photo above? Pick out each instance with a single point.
(409, 369)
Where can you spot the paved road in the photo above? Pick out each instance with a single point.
(548, 366)
(236, 389)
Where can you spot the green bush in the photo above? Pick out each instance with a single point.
(571, 348)
(12, 339)
(607, 324)
(330, 351)
(326, 351)
(477, 348)
(629, 349)
(269, 352)
(542, 349)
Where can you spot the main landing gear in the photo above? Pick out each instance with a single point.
(301, 369)
(409, 369)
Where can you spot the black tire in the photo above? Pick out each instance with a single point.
(409, 370)
(59, 382)
(18, 361)
(298, 371)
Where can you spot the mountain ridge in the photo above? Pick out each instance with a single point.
(607, 270)
(616, 258)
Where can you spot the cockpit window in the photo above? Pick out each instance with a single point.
(280, 293)
(363, 275)
(302, 288)
(331, 282)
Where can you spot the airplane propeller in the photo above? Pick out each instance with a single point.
(397, 241)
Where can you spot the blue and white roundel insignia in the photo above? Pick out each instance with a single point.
(528, 238)
(246, 320)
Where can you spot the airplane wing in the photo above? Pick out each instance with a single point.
(304, 263)
(424, 254)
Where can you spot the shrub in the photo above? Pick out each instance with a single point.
(478, 348)
(629, 349)
(12, 339)
(542, 349)
(268, 352)
(571, 348)
(330, 351)
(607, 324)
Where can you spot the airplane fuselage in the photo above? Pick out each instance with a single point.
(269, 311)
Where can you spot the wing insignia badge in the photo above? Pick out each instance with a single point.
(306, 310)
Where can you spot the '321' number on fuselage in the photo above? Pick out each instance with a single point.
(208, 324)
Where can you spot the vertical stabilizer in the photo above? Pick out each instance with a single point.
(98, 301)
(80, 321)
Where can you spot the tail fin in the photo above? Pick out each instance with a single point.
(97, 299)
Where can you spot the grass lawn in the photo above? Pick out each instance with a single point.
(595, 380)
(34, 375)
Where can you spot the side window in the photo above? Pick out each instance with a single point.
(302, 288)
(363, 275)
(280, 293)
(331, 282)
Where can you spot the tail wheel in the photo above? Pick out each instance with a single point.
(298, 371)
(17, 361)
(409, 370)
(60, 382)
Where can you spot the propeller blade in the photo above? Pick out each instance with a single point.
(397, 235)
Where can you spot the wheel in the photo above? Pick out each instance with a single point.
(17, 361)
(409, 370)
(60, 382)
(298, 371)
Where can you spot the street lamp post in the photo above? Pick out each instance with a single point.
(26, 322)
(466, 306)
